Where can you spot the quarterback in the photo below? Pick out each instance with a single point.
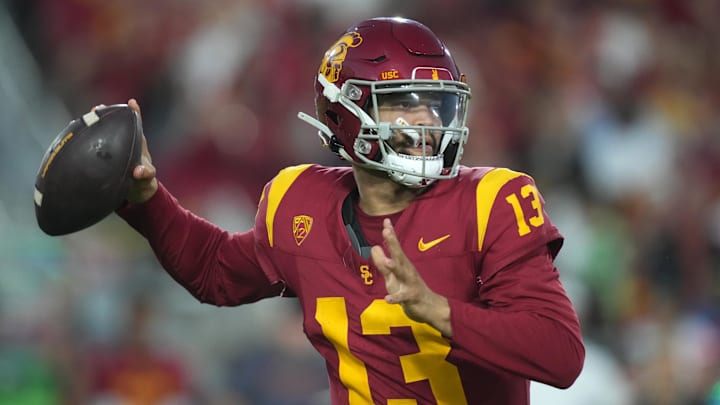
(422, 281)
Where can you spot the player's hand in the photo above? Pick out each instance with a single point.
(406, 287)
(145, 184)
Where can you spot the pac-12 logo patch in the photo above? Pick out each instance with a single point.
(331, 64)
(301, 228)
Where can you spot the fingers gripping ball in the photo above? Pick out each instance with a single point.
(87, 170)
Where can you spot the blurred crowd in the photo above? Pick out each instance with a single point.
(612, 106)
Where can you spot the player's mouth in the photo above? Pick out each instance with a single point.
(415, 146)
(428, 150)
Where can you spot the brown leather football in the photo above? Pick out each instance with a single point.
(87, 170)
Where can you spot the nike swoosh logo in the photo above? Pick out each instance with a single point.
(423, 246)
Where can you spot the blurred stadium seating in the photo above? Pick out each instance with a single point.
(611, 105)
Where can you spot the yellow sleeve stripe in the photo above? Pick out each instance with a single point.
(280, 185)
(485, 194)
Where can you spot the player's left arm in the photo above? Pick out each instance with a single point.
(522, 321)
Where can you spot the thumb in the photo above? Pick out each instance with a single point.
(144, 172)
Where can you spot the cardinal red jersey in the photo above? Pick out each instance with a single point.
(482, 239)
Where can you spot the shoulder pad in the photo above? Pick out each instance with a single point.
(486, 192)
(275, 191)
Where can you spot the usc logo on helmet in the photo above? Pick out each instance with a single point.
(390, 74)
(331, 64)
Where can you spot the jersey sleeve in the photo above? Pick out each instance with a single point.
(522, 321)
(215, 266)
(524, 324)
(272, 197)
(511, 220)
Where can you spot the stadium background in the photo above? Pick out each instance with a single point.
(611, 105)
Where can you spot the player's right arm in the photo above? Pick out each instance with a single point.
(213, 265)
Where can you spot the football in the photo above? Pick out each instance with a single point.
(86, 171)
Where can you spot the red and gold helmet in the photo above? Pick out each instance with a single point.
(382, 59)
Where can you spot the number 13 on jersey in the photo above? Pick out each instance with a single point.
(536, 219)
(427, 364)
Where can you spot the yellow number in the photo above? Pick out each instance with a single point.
(332, 317)
(523, 228)
(537, 219)
(427, 364)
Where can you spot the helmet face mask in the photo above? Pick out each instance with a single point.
(414, 151)
(390, 98)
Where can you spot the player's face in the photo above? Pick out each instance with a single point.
(412, 109)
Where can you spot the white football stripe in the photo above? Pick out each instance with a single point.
(90, 118)
(38, 197)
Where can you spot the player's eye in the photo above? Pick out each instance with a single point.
(400, 100)
(411, 100)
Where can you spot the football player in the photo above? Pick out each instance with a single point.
(421, 281)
